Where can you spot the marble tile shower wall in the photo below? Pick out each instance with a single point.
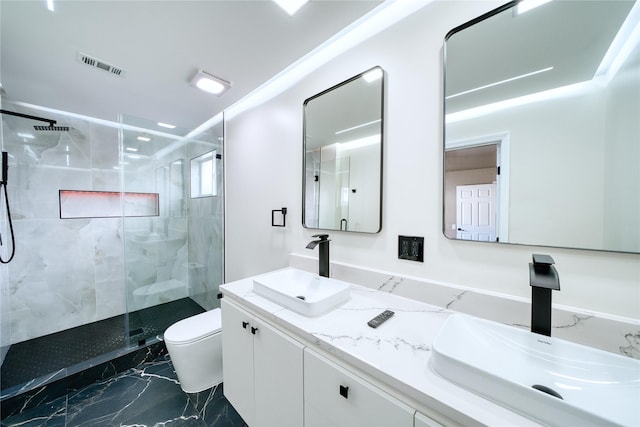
(156, 249)
(65, 272)
(69, 272)
(185, 257)
(205, 237)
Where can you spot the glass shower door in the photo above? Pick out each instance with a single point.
(173, 258)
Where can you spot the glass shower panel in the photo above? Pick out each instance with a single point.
(205, 218)
(87, 284)
(156, 250)
(63, 293)
(173, 260)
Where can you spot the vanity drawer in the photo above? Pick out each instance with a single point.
(337, 397)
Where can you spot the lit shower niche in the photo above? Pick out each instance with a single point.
(107, 204)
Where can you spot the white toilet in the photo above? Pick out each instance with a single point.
(195, 348)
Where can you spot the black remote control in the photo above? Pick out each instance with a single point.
(380, 318)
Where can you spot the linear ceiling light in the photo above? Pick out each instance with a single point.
(210, 83)
(624, 43)
(50, 5)
(500, 82)
(380, 18)
(575, 89)
(166, 125)
(358, 126)
(291, 6)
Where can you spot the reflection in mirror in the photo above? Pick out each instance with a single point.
(542, 137)
(342, 161)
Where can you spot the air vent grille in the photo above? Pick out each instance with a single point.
(96, 63)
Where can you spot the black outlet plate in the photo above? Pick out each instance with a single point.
(411, 248)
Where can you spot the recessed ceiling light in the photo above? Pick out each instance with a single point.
(291, 6)
(26, 135)
(210, 83)
(166, 125)
(144, 138)
(50, 5)
(131, 149)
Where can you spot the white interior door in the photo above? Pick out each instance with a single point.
(476, 212)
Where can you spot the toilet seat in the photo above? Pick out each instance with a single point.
(194, 328)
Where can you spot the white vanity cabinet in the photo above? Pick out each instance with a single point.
(334, 396)
(262, 370)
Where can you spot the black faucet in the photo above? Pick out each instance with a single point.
(323, 259)
(543, 278)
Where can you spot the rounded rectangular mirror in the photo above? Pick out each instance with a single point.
(542, 137)
(342, 160)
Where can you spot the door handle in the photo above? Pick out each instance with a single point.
(244, 325)
(254, 330)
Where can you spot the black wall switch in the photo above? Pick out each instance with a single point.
(411, 248)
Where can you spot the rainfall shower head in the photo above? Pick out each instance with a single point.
(52, 128)
(52, 123)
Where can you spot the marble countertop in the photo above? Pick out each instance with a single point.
(397, 353)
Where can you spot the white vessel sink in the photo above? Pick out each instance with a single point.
(303, 292)
(503, 364)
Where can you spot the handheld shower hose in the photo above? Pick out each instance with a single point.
(5, 172)
(3, 184)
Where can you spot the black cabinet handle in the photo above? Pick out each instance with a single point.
(254, 330)
(344, 391)
(244, 325)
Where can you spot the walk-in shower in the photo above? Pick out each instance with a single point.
(111, 247)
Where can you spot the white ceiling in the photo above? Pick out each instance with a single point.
(160, 45)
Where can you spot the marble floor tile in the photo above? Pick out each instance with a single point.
(51, 414)
(146, 396)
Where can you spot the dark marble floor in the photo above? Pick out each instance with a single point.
(148, 395)
(51, 353)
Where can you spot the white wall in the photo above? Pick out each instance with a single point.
(264, 169)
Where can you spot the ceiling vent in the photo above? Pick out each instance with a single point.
(96, 63)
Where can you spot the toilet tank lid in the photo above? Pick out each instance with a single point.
(195, 327)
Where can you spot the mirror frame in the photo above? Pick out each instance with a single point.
(487, 15)
(382, 138)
